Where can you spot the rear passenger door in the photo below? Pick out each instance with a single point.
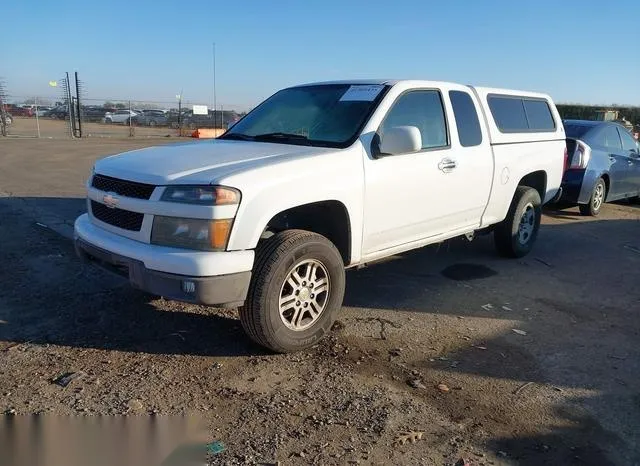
(630, 150)
(620, 168)
(470, 188)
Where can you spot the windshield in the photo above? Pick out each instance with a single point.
(329, 115)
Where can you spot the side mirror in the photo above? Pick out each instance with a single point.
(400, 140)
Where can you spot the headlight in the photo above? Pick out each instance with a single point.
(202, 195)
(191, 233)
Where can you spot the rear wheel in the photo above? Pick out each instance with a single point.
(598, 196)
(517, 233)
(296, 290)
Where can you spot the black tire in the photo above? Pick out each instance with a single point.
(276, 257)
(508, 240)
(594, 206)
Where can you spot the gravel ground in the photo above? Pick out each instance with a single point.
(531, 361)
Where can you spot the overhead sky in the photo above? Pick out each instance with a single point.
(578, 51)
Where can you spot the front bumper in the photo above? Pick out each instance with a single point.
(169, 272)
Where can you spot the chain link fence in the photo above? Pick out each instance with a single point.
(48, 117)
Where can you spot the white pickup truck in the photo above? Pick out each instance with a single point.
(317, 179)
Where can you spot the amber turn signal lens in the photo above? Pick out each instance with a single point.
(226, 196)
(219, 233)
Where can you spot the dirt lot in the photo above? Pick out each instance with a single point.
(560, 389)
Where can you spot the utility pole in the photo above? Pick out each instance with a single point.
(215, 102)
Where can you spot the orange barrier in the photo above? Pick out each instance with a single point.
(207, 133)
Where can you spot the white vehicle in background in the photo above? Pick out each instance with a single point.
(119, 116)
(41, 111)
(317, 179)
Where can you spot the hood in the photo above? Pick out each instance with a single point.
(199, 162)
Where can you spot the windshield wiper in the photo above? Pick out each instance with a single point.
(290, 136)
(238, 136)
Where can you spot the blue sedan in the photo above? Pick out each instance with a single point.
(603, 165)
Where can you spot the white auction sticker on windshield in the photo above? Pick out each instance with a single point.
(362, 93)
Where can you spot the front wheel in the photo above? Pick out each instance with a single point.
(596, 200)
(516, 234)
(296, 290)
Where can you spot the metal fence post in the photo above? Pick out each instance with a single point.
(79, 106)
(3, 114)
(69, 107)
(37, 120)
(130, 122)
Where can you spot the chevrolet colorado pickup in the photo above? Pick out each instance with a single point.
(317, 179)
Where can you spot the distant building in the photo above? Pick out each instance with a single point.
(606, 115)
(614, 115)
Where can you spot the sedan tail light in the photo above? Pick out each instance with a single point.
(581, 156)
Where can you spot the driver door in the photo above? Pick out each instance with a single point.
(431, 192)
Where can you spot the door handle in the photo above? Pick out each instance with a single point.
(446, 165)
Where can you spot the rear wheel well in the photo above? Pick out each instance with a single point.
(605, 177)
(327, 218)
(536, 180)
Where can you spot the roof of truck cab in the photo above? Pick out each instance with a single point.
(427, 83)
(385, 82)
(389, 82)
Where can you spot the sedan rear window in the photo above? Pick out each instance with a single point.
(576, 131)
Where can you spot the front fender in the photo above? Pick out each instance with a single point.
(270, 190)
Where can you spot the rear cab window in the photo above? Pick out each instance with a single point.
(466, 116)
(515, 114)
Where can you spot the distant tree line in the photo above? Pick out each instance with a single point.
(109, 104)
(589, 112)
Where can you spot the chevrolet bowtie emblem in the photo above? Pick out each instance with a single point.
(110, 201)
